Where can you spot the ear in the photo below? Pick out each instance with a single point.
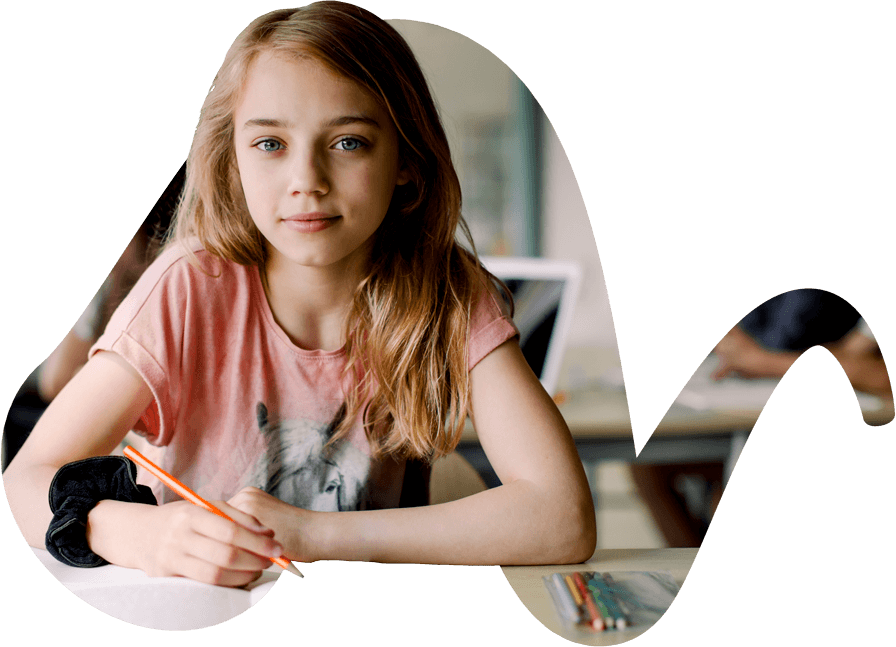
(404, 176)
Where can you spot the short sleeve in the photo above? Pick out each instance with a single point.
(147, 331)
(490, 324)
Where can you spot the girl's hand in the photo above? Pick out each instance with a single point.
(292, 526)
(186, 540)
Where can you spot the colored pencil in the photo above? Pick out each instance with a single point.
(574, 590)
(562, 598)
(623, 605)
(194, 498)
(601, 589)
(601, 605)
(596, 619)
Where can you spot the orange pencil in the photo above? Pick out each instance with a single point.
(192, 497)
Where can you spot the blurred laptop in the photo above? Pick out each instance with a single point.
(544, 296)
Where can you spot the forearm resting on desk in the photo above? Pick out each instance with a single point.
(516, 523)
(511, 524)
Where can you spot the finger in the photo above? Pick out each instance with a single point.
(723, 369)
(244, 519)
(234, 534)
(201, 570)
(225, 555)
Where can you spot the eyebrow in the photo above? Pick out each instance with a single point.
(348, 120)
(345, 120)
(265, 123)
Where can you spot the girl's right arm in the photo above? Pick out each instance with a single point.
(89, 417)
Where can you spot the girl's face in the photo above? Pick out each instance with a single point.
(318, 161)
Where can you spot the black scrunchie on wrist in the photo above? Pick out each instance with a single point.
(75, 490)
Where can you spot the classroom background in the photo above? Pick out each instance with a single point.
(522, 198)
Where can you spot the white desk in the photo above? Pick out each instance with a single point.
(158, 603)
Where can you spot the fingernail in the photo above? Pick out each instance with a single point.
(277, 551)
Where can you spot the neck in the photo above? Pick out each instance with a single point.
(310, 304)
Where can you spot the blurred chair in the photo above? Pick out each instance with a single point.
(453, 478)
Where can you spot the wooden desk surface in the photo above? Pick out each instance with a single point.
(528, 585)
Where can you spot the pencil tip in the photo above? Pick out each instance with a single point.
(292, 569)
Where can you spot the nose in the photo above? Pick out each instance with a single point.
(308, 174)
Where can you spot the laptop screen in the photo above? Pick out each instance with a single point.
(544, 295)
(537, 304)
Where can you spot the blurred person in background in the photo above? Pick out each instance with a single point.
(47, 380)
(682, 498)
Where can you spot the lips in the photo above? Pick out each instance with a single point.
(308, 223)
(311, 215)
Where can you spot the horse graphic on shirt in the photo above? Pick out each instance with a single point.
(299, 468)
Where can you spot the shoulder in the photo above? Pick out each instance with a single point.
(182, 278)
(491, 322)
(190, 259)
(490, 300)
(189, 266)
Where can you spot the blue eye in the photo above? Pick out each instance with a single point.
(349, 144)
(268, 145)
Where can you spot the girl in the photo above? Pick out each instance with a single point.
(313, 327)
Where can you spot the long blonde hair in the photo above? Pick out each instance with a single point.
(407, 330)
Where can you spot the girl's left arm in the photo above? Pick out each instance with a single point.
(541, 514)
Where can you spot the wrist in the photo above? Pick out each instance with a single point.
(312, 538)
(316, 537)
(340, 536)
(118, 532)
(75, 490)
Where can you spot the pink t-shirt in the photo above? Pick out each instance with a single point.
(236, 403)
